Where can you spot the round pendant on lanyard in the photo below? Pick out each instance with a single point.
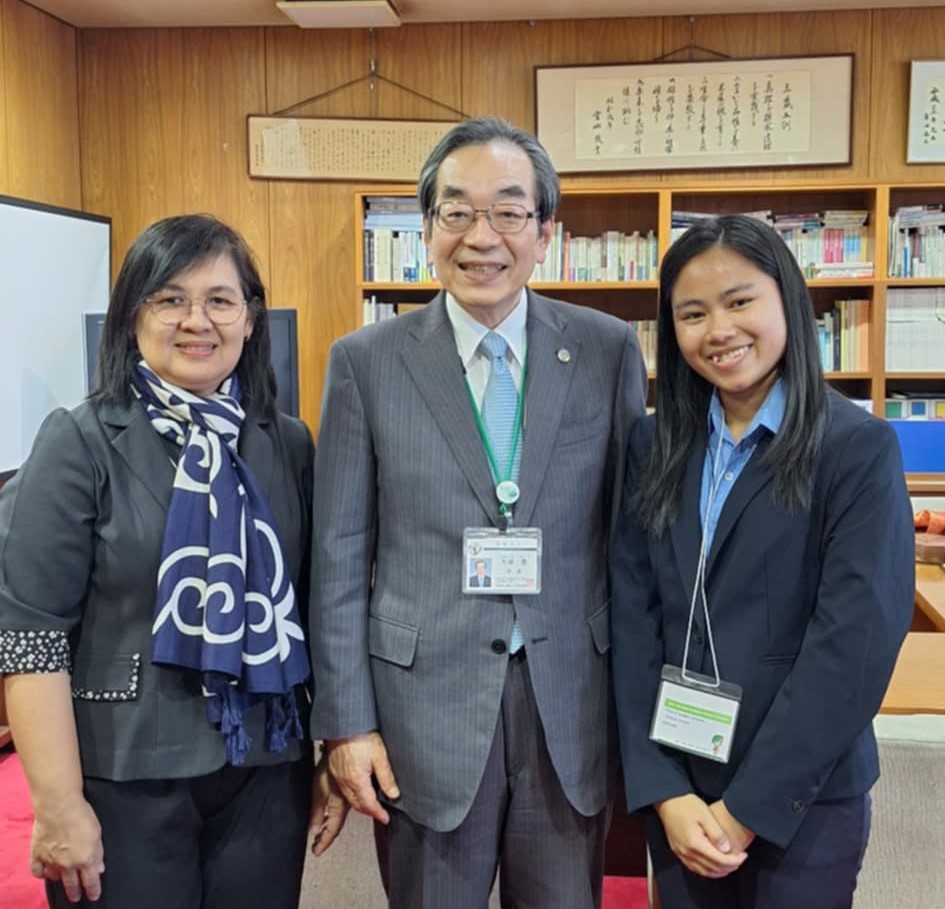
(507, 492)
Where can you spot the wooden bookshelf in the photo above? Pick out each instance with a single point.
(590, 208)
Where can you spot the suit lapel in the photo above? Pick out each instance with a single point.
(755, 477)
(686, 532)
(431, 359)
(141, 448)
(553, 356)
(256, 449)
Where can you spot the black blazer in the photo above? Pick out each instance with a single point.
(81, 527)
(808, 612)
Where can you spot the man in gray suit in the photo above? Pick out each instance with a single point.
(475, 722)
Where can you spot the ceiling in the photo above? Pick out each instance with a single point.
(170, 13)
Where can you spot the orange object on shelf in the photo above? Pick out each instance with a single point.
(930, 521)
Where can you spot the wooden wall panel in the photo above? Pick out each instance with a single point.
(39, 94)
(313, 270)
(900, 36)
(303, 64)
(313, 224)
(162, 119)
(4, 131)
(425, 59)
(499, 57)
(164, 130)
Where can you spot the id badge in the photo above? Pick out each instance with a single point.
(695, 715)
(507, 562)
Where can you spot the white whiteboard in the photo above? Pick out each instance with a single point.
(54, 266)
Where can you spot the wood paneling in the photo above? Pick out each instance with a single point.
(499, 59)
(39, 97)
(163, 128)
(162, 119)
(900, 36)
(4, 130)
(313, 270)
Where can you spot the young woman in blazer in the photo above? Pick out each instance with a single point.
(153, 575)
(763, 581)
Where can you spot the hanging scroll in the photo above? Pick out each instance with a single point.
(926, 141)
(296, 148)
(787, 111)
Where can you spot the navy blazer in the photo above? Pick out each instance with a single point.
(81, 526)
(807, 612)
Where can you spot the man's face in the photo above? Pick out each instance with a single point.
(483, 269)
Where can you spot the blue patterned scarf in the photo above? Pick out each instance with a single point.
(225, 604)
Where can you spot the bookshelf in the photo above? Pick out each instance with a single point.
(868, 292)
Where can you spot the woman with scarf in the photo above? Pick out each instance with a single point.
(153, 561)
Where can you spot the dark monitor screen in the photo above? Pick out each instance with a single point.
(285, 355)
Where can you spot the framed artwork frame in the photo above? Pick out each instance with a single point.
(783, 111)
(925, 143)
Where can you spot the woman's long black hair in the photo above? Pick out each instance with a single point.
(682, 395)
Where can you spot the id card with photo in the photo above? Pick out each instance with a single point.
(507, 562)
(695, 715)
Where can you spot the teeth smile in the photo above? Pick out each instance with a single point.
(728, 356)
(483, 269)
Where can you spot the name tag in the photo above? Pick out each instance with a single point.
(695, 715)
(507, 562)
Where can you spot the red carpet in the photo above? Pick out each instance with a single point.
(19, 890)
(625, 893)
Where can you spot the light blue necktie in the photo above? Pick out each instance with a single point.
(499, 409)
(499, 406)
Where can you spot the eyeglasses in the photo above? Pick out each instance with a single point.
(171, 308)
(503, 217)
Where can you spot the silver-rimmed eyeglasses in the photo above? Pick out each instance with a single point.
(172, 308)
(503, 217)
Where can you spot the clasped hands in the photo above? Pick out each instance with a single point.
(705, 838)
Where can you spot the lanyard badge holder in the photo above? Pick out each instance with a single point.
(697, 713)
(505, 560)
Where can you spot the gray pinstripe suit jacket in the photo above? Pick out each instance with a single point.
(400, 473)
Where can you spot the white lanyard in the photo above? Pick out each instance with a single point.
(698, 584)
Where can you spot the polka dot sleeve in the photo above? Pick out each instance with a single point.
(33, 651)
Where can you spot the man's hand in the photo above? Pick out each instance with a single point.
(697, 838)
(354, 763)
(329, 809)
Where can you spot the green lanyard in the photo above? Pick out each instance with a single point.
(498, 477)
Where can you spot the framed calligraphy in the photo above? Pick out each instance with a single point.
(926, 135)
(785, 111)
(330, 148)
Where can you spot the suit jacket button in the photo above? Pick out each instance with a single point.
(498, 646)
(797, 806)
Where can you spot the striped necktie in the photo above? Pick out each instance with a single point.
(500, 406)
(499, 409)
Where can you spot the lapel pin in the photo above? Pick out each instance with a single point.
(564, 355)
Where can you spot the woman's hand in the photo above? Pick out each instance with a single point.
(67, 847)
(739, 837)
(329, 809)
(697, 838)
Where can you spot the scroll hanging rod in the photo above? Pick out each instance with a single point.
(691, 47)
(372, 76)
